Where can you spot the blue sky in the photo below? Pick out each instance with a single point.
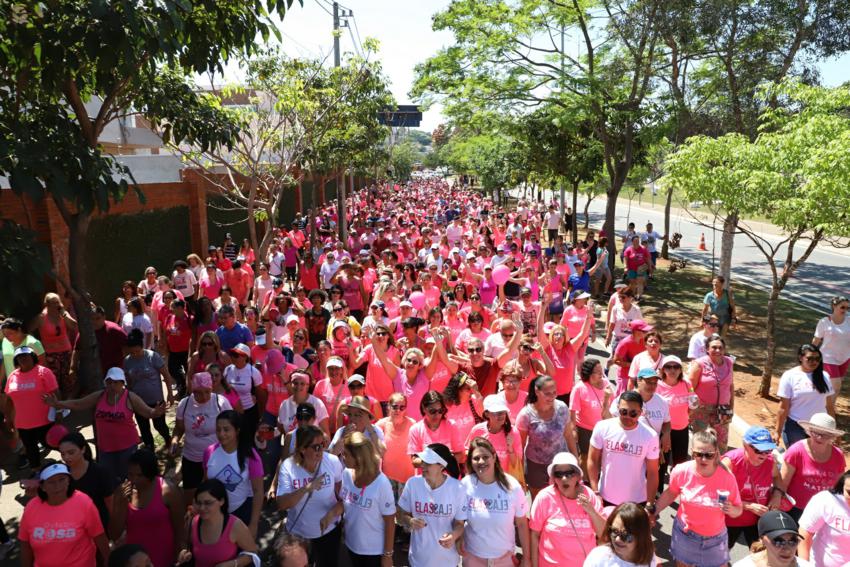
(403, 28)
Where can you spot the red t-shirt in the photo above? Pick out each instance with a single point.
(635, 257)
(627, 349)
(178, 332)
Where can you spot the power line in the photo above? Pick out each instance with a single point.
(323, 7)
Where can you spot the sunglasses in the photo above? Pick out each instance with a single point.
(565, 474)
(703, 455)
(631, 413)
(412, 361)
(433, 411)
(381, 334)
(789, 543)
(397, 407)
(317, 447)
(622, 535)
(650, 381)
(714, 325)
(507, 336)
(672, 367)
(474, 350)
(299, 384)
(812, 358)
(207, 343)
(757, 452)
(338, 308)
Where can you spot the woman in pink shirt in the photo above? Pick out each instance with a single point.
(707, 493)
(712, 380)
(379, 384)
(565, 517)
(589, 404)
(56, 330)
(463, 403)
(396, 428)
(561, 349)
(676, 391)
(498, 430)
(434, 427)
(26, 387)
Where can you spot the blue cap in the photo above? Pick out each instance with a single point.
(647, 373)
(759, 438)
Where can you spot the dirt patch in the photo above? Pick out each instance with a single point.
(674, 304)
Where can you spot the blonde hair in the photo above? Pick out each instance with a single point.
(558, 328)
(367, 463)
(418, 352)
(51, 296)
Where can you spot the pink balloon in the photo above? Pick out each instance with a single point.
(55, 434)
(501, 273)
(417, 298)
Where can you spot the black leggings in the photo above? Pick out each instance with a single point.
(145, 429)
(358, 560)
(678, 453)
(31, 438)
(178, 362)
(324, 550)
(751, 534)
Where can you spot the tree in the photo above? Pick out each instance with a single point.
(795, 173)
(130, 57)
(25, 262)
(402, 158)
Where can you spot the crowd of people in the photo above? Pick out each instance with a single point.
(424, 383)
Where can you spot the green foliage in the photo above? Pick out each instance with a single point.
(402, 158)
(795, 173)
(26, 264)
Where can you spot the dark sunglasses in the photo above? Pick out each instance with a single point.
(703, 455)
(757, 452)
(565, 474)
(622, 535)
(474, 350)
(433, 411)
(397, 407)
(338, 308)
(207, 343)
(381, 334)
(631, 413)
(789, 543)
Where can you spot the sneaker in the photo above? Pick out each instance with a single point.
(5, 548)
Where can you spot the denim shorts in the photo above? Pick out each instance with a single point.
(699, 551)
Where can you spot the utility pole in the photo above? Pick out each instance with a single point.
(342, 222)
(563, 196)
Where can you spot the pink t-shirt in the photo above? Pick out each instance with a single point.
(467, 334)
(421, 436)
(811, 477)
(396, 463)
(635, 257)
(677, 399)
(827, 517)
(699, 510)
(515, 407)
(558, 545)
(26, 389)
(499, 441)
(755, 484)
(573, 319)
(587, 401)
(379, 384)
(564, 361)
(62, 535)
(331, 396)
(461, 418)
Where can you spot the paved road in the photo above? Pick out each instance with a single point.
(821, 277)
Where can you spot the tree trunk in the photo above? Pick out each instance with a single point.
(610, 221)
(665, 248)
(770, 328)
(342, 225)
(574, 221)
(89, 372)
(252, 220)
(730, 226)
(590, 198)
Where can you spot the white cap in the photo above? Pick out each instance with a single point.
(405, 303)
(582, 295)
(495, 403)
(431, 457)
(334, 361)
(242, 349)
(53, 470)
(561, 459)
(290, 318)
(116, 375)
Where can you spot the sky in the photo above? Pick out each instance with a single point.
(403, 28)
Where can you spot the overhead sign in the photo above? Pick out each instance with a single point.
(401, 116)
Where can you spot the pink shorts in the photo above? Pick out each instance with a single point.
(837, 371)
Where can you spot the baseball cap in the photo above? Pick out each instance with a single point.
(305, 411)
(115, 374)
(53, 470)
(242, 349)
(759, 438)
(356, 378)
(671, 359)
(291, 318)
(647, 373)
(562, 459)
(776, 523)
(495, 403)
(335, 362)
(431, 457)
(405, 304)
(640, 325)
(582, 295)
(620, 285)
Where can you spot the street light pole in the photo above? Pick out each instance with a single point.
(342, 222)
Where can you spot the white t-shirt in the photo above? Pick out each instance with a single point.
(337, 438)
(292, 476)
(365, 509)
(643, 360)
(439, 508)
(621, 319)
(797, 386)
(240, 380)
(224, 466)
(748, 562)
(494, 345)
(696, 346)
(656, 412)
(552, 220)
(490, 513)
(603, 556)
(286, 413)
(651, 237)
(199, 423)
(184, 283)
(327, 271)
(835, 347)
(827, 517)
(624, 456)
(141, 322)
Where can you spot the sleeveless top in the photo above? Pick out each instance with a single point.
(715, 378)
(488, 290)
(211, 554)
(116, 428)
(54, 337)
(150, 527)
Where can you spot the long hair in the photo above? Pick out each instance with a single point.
(483, 443)
(818, 378)
(304, 436)
(76, 438)
(244, 447)
(452, 468)
(432, 397)
(451, 393)
(217, 490)
(636, 522)
(366, 460)
(537, 384)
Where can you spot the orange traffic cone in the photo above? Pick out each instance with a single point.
(701, 246)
